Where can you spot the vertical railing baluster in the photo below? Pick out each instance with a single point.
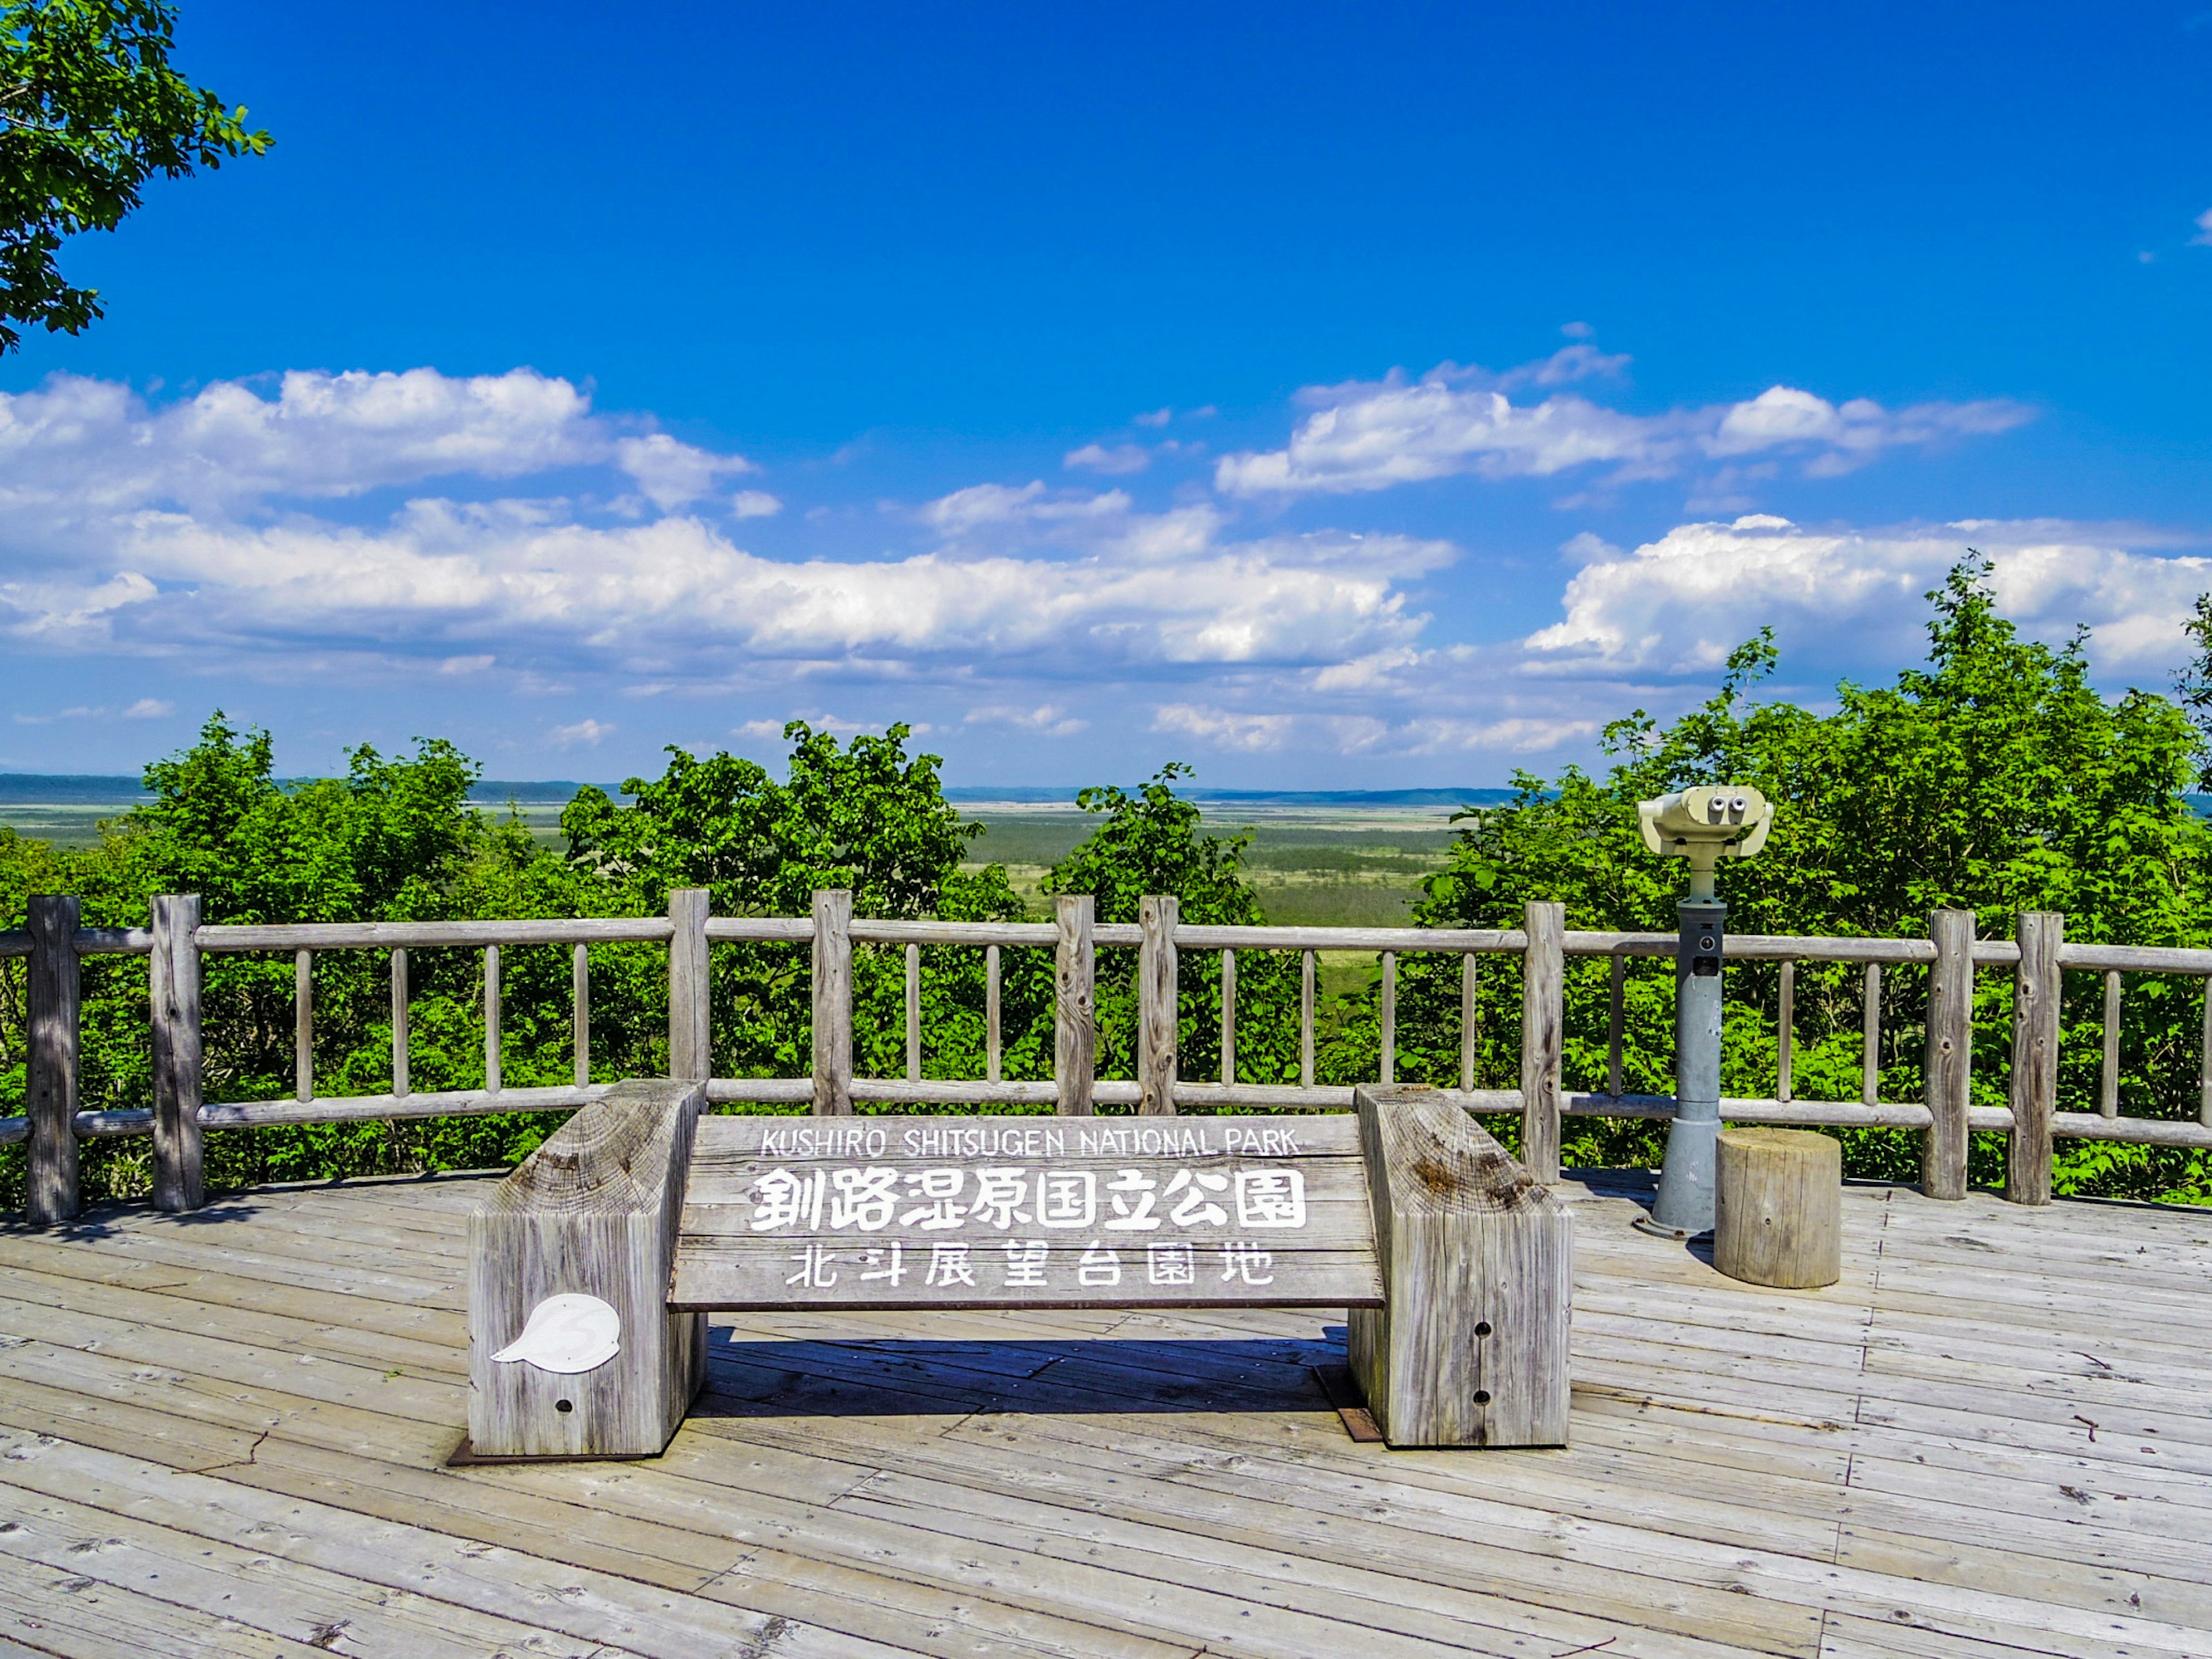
(2108, 1083)
(833, 1002)
(1306, 1019)
(1468, 1030)
(1389, 1016)
(1229, 1016)
(1158, 1004)
(1785, 1034)
(691, 997)
(580, 992)
(179, 1048)
(2032, 1089)
(991, 1060)
(54, 998)
(914, 1013)
(491, 1019)
(1615, 1011)
(2204, 1064)
(1543, 1034)
(303, 1024)
(1950, 1054)
(1870, 1048)
(1075, 1010)
(399, 1033)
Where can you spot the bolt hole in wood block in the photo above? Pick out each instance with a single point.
(1778, 1211)
(1477, 1258)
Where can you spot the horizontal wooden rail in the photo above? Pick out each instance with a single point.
(430, 935)
(761, 930)
(1193, 937)
(2030, 1121)
(2136, 959)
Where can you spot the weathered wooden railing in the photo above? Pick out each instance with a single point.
(54, 942)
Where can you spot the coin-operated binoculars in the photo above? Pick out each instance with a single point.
(1703, 825)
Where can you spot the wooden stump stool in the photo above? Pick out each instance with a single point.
(1779, 1209)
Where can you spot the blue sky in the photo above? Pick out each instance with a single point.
(1329, 399)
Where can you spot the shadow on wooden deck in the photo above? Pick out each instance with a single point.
(894, 1378)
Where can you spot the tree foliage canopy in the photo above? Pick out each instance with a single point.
(1991, 777)
(90, 110)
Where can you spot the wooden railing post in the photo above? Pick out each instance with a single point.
(1158, 1014)
(833, 1003)
(689, 1055)
(1074, 1013)
(1543, 1021)
(54, 995)
(1950, 1052)
(2034, 1087)
(173, 984)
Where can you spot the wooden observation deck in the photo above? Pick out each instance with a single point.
(227, 1431)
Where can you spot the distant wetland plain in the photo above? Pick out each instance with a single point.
(1317, 859)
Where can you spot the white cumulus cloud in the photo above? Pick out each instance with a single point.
(1678, 604)
(1120, 460)
(671, 474)
(1366, 436)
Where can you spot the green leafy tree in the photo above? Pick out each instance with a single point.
(90, 110)
(866, 815)
(1151, 840)
(2193, 685)
(1993, 778)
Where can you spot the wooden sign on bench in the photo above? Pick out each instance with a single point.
(593, 1266)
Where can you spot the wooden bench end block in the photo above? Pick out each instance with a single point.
(1470, 1347)
(589, 1218)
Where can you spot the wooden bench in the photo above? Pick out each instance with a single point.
(594, 1264)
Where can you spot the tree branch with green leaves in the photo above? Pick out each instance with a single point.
(90, 110)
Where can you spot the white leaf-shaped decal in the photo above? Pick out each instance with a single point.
(567, 1333)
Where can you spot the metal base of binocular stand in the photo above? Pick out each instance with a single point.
(1684, 1207)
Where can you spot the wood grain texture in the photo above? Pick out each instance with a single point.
(1870, 1037)
(1785, 1033)
(1074, 1009)
(1543, 1036)
(1902, 1466)
(2108, 1071)
(400, 1038)
(1306, 1019)
(2137, 959)
(427, 935)
(491, 986)
(173, 988)
(1470, 1347)
(690, 1001)
(1386, 1021)
(1198, 1213)
(1229, 1017)
(592, 1212)
(914, 1013)
(1950, 1053)
(579, 998)
(303, 1024)
(53, 999)
(2033, 1086)
(1158, 1014)
(833, 1003)
(1470, 1029)
(1778, 1207)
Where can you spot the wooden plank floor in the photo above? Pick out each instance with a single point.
(226, 1434)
